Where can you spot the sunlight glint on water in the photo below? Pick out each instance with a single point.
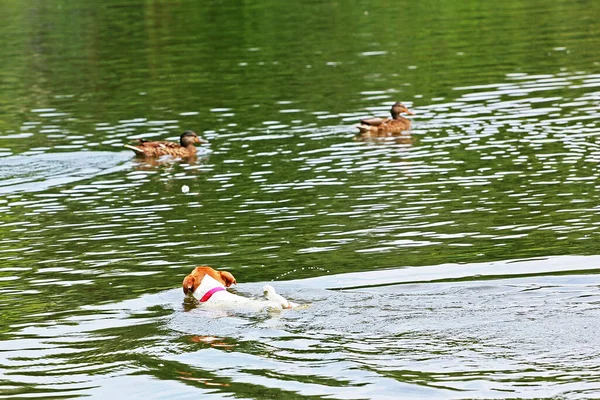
(454, 261)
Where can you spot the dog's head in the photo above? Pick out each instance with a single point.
(193, 280)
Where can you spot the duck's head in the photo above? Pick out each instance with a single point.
(399, 108)
(190, 137)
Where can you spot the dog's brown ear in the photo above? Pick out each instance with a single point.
(227, 278)
(188, 284)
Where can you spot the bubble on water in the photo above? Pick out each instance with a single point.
(185, 189)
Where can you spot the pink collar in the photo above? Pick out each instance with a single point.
(209, 294)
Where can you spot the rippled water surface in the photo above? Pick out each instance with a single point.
(457, 260)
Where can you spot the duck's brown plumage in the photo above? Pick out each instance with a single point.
(185, 147)
(396, 124)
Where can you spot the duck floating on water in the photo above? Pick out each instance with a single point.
(396, 124)
(185, 147)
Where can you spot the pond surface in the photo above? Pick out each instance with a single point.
(454, 261)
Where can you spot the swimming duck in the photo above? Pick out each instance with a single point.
(396, 124)
(185, 147)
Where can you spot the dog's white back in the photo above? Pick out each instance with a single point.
(225, 300)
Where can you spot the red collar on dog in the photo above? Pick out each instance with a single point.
(209, 294)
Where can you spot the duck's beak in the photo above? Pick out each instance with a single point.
(409, 112)
(200, 140)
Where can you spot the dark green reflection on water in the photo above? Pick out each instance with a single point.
(501, 164)
(154, 60)
(140, 58)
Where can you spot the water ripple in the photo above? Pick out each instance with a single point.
(503, 171)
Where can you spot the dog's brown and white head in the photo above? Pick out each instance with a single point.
(193, 280)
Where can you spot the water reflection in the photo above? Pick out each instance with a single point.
(193, 164)
(492, 173)
(404, 138)
(412, 230)
(419, 339)
(39, 172)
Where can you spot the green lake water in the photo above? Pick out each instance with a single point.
(455, 261)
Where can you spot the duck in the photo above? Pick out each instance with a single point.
(185, 147)
(396, 124)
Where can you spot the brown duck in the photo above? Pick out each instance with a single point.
(185, 147)
(396, 124)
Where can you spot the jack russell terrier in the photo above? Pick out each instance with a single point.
(208, 286)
